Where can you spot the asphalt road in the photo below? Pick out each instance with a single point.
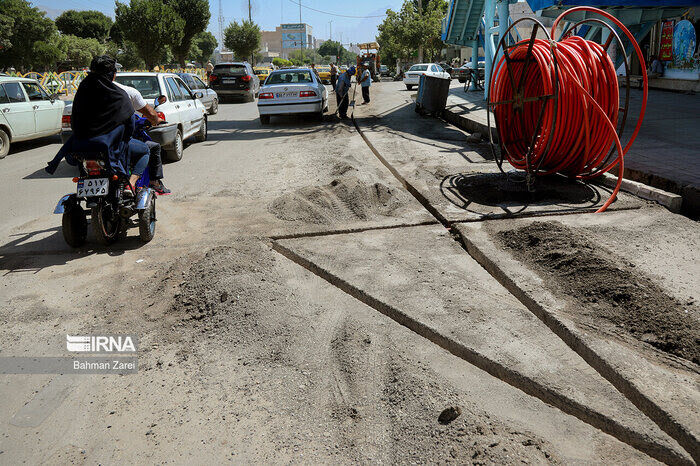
(245, 355)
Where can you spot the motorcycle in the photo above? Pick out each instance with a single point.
(107, 200)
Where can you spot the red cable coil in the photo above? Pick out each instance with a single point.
(587, 106)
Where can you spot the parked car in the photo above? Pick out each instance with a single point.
(324, 72)
(235, 80)
(384, 70)
(464, 69)
(262, 73)
(412, 76)
(182, 109)
(450, 69)
(27, 111)
(293, 91)
(209, 99)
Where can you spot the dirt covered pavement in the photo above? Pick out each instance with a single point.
(302, 304)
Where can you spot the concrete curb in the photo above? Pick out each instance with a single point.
(512, 377)
(671, 201)
(522, 283)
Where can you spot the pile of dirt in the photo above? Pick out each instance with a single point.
(608, 287)
(343, 199)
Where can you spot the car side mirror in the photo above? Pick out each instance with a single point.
(198, 95)
(53, 97)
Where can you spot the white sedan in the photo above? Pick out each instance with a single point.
(182, 109)
(292, 91)
(27, 111)
(412, 76)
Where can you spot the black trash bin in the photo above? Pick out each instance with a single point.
(432, 95)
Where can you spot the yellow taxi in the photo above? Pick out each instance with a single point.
(262, 73)
(324, 72)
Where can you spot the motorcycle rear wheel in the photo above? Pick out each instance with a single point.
(74, 226)
(106, 224)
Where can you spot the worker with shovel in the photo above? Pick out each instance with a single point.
(342, 92)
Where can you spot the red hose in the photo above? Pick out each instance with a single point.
(582, 126)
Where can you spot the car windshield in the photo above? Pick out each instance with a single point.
(146, 85)
(419, 68)
(259, 71)
(231, 69)
(289, 77)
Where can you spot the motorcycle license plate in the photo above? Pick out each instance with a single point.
(283, 95)
(90, 187)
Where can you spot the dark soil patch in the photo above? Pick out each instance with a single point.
(510, 189)
(608, 287)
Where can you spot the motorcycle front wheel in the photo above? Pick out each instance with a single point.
(106, 224)
(147, 221)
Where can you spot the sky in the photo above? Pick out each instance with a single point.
(269, 14)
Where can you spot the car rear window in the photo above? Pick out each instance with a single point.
(289, 77)
(419, 68)
(146, 85)
(231, 69)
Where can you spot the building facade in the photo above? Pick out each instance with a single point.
(288, 37)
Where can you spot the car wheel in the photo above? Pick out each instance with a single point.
(201, 135)
(264, 119)
(409, 86)
(214, 109)
(4, 143)
(175, 154)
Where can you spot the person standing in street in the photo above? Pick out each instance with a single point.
(342, 91)
(210, 69)
(365, 81)
(334, 75)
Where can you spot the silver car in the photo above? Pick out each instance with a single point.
(292, 91)
(209, 99)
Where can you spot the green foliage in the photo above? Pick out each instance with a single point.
(47, 53)
(195, 14)
(401, 33)
(86, 24)
(330, 48)
(33, 36)
(126, 55)
(203, 46)
(6, 24)
(243, 39)
(151, 25)
(80, 51)
(279, 62)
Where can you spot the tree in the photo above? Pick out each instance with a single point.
(126, 55)
(243, 39)
(29, 26)
(80, 51)
(402, 32)
(279, 62)
(195, 14)
(203, 46)
(6, 24)
(330, 48)
(151, 25)
(45, 54)
(86, 24)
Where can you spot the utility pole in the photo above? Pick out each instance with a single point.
(250, 19)
(221, 27)
(330, 29)
(420, 47)
(301, 43)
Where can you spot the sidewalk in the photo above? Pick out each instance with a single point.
(666, 153)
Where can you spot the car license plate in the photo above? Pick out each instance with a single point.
(228, 80)
(89, 187)
(284, 95)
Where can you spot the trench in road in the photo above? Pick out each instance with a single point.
(531, 387)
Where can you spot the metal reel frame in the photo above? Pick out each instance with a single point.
(519, 100)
